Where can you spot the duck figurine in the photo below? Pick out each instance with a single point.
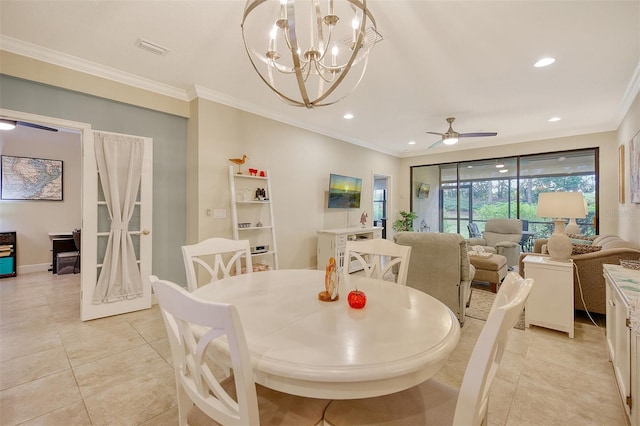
(239, 162)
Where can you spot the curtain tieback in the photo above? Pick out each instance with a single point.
(119, 226)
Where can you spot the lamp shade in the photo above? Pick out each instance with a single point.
(561, 204)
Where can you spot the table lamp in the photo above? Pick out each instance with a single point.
(572, 227)
(560, 205)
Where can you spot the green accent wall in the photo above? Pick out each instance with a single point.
(169, 135)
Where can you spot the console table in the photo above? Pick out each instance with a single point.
(332, 242)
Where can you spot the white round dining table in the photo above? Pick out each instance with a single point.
(303, 346)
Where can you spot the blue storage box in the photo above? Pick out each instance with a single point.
(6, 265)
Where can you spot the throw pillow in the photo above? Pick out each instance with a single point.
(583, 242)
(583, 248)
(582, 237)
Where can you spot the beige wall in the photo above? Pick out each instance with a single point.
(299, 163)
(55, 75)
(33, 220)
(628, 214)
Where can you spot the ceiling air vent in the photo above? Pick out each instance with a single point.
(151, 47)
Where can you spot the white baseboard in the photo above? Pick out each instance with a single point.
(40, 267)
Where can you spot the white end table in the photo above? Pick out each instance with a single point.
(550, 303)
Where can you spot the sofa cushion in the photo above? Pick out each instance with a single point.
(584, 248)
(602, 240)
(620, 244)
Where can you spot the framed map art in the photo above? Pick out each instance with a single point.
(25, 178)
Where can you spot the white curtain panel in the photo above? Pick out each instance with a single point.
(119, 161)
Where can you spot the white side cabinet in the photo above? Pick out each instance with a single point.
(623, 285)
(332, 242)
(550, 303)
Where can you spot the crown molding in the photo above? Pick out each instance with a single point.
(54, 57)
(64, 60)
(630, 94)
(214, 96)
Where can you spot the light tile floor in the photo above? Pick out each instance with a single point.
(57, 370)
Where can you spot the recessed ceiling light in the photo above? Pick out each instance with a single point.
(412, 142)
(554, 119)
(503, 170)
(499, 164)
(348, 116)
(7, 124)
(469, 167)
(544, 62)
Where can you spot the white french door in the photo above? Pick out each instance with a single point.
(96, 225)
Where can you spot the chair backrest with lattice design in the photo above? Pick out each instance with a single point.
(219, 257)
(473, 399)
(192, 325)
(378, 257)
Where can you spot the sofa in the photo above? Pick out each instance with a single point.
(501, 236)
(439, 266)
(588, 270)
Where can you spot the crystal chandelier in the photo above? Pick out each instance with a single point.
(309, 52)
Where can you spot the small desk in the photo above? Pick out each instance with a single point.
(302, 346)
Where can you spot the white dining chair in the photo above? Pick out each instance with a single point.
(235, 400)
(219, 257)
(435, 403)
(378, 257)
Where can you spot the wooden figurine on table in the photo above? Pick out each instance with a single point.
(239, 162)
(331, 281)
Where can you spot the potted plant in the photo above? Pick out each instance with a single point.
(405, 223)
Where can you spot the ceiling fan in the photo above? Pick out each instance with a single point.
(451, 137)
(6, 124)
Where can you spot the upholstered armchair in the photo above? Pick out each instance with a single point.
(501, 236)
(439, 266)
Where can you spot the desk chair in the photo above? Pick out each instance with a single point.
(432, 402)
(371, 254)
(225, 255)
(76, 241)
(236, 400)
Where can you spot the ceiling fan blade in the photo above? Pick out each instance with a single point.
(434, 133)
(435, 144)
(36, 126)
(477, 134)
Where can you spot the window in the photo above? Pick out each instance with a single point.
(476, 191)
(379, 204)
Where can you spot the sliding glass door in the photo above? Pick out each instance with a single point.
(476, 191)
